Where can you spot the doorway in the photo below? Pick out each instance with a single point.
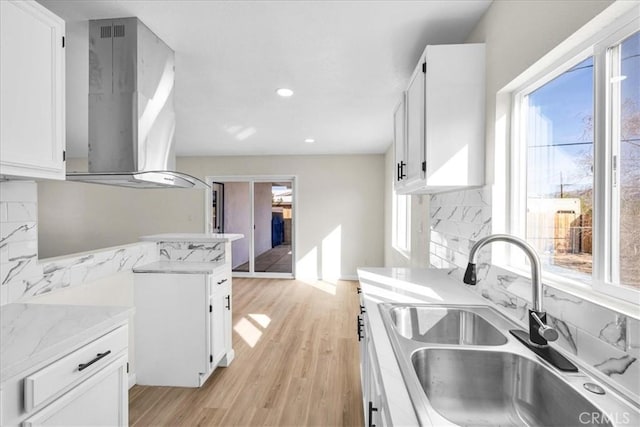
(262, 209)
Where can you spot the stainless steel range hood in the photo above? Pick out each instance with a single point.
(131, 115)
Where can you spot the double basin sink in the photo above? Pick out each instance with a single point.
(461, 366)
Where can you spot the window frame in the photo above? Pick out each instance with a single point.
(605, 205)
(398, 223)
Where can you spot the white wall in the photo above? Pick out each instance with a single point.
(76, 217)
(339, 218)
(339, 208)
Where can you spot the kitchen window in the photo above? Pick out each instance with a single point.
(401, 223)
(576, 165)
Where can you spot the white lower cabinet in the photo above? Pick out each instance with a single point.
(182, 327)
(373, 398)
(376, 409)
(220, 321)
(101, 400)
(87, 387)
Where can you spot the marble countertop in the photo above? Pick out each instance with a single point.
(405, 285)
(193, 237)
(179, 267)
(31, 334)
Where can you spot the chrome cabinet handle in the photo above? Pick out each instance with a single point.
(99, 356)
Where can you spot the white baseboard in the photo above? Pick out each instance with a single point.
(344, 277)
(132, 379)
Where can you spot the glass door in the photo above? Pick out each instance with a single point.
(272, 217)
(217, 207)
(261, 209)
(237, 220)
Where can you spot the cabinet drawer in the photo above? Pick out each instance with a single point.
(221, 280)
(217, 281)
(101, 400)
(82, 363)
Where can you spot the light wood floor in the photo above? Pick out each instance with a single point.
(275, 260)
(296, 363)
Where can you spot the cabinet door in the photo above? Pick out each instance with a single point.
(227, 320)
(32, 124)
(376, 415)
(219, 319)
(217, 326)
(415, 102)
(171, 328)
(363, 338)
(100, 400)
(399, 144)
(454, 116)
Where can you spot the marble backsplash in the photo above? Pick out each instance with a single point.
(602, 338)
(191, 251)
(23, 276)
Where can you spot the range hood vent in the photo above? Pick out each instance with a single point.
(131, 114)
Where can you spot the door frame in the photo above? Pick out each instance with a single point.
(251, 179)
(218, 198)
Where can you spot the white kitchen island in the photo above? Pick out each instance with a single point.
(183, 309)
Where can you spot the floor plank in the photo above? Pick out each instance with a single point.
(296, 363)
(275, 260)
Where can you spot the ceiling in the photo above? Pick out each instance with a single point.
(346, 61)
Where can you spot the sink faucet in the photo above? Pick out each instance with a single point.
(539, 332)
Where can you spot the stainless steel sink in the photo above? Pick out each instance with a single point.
(444, 325)
(471, 387)
(462, 367)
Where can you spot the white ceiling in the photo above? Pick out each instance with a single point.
(347, 62)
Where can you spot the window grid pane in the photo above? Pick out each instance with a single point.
(625, 83)
(402, 223)
(559, 140)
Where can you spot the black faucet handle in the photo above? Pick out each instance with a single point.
(470, 274)
(540, 332)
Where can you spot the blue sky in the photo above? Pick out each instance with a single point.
(566, 103)
(631, 69)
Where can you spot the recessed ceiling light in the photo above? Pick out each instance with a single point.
(309, 140)
(284, 92)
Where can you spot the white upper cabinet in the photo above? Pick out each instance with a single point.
(415, 130)
(32, 109)
(445, 121)
(400, 143)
